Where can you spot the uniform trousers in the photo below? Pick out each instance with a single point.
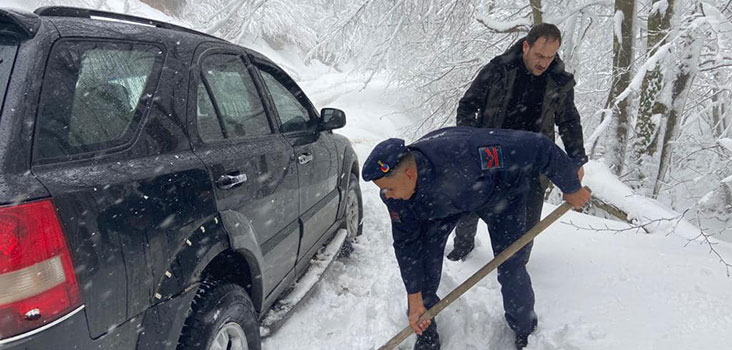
(506, 217)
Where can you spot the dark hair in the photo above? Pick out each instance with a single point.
(547, 30)
(405, 160)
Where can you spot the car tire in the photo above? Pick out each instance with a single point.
(221, 317)
(353, 215)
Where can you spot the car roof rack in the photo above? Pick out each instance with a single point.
(21, 23)
(66, 11)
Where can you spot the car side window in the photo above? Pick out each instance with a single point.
(209, 126)
(93, 96)
(8, 49)
(233, 104)
(284, 92)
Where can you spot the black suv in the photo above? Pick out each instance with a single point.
(160, 188)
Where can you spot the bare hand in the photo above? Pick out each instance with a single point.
(581, 173)
(416, 309)
(578, 199)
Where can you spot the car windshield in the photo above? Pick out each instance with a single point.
(8, 48)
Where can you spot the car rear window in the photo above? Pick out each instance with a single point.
(93, 96)
(8, 48)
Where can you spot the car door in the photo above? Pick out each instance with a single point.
(252, 166)
(315, 153)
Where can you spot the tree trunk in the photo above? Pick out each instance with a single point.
(568, 40)
(536, 11)
(646, 129)
(685, 73)
(719, 110)
(622, 59)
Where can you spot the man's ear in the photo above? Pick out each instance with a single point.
(525, 46)
(411, 172)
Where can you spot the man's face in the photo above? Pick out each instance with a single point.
(539, 56)
(400, 185)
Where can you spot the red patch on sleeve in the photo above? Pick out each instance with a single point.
(491, 157)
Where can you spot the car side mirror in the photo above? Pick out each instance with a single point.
(332, 118)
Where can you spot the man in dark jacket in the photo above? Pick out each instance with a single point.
(428, 185)
(526, 88)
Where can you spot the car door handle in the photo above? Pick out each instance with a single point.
(228, 181)
(305, 158)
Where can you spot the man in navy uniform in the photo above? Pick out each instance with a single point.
(428, 185)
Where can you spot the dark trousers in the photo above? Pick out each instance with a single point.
(505, 227)
(506, 219)
(467, 225)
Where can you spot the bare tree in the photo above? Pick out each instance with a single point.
(646, 127)
(536, 11)
(624, 31)
(721, 117)
(691, 46)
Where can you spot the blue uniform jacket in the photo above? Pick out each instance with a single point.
(463, 169)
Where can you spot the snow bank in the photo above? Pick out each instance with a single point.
(640, 210)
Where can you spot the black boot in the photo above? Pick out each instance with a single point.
(521, 341)
(429, 340)
(461, 252)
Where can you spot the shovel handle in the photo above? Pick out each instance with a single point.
(485, 270)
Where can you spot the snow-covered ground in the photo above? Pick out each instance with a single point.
(609, 289)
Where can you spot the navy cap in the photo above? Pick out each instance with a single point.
(383, 159)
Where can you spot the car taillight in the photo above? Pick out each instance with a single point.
(37, 280)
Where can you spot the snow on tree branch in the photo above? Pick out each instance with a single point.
(617, 25)
(573, 12)
(230, 10)
(650, 64)
(519, 25)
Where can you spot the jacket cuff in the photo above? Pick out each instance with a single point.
(572, 187)
(580, 161)
(412, 287)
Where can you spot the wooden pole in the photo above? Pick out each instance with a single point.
(485, 270)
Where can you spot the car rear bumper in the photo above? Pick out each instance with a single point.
(67, 332)
(72, 332)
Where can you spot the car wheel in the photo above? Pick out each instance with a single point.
(221, 317)
(354, 215)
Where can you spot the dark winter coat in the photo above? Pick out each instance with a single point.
(485, 103)
(461, 170)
